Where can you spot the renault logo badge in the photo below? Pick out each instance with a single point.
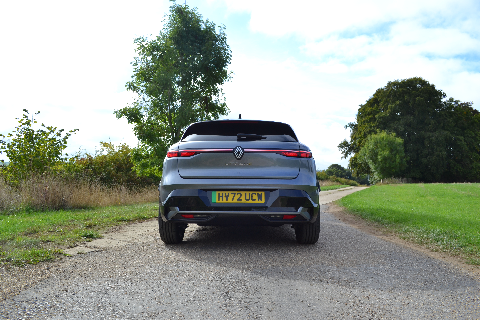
(238, 152)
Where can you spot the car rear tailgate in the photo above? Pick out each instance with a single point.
(260, 160)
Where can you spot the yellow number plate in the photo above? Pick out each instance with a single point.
(238, 197)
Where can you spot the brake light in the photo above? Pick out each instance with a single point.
(296, 154)
(187, 153)
(176, 154)
(286, 153)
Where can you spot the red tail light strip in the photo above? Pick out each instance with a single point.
(287, 153)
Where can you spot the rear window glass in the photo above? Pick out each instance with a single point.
(198, 137)
(229, 129)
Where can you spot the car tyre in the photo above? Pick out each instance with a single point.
(308, 233)
(171, 232)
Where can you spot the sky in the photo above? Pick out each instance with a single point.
(309, 64)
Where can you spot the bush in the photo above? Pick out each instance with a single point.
(32, 151)
(110, 167)
(323, 176)
(83, 181)
(384, 154)
(344, 181)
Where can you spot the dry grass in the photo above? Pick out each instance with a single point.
(394, 181)
(326, 183)
(52, 193)
(9, 198)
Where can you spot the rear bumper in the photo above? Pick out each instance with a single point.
(281, 206)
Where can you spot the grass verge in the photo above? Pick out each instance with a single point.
(443, 217)
(334, 187)
(32, 237)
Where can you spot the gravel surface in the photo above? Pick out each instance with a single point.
(251, 273)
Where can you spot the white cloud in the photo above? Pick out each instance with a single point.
(313, 103)
(71, 60)
(313, 19)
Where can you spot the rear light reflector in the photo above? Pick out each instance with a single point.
(188, 216)
(288, 216)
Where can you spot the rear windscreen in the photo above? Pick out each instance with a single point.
(201, 137)
(226, 130)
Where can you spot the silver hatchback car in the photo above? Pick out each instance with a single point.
(230, 172)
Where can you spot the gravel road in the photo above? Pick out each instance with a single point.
(251, 273)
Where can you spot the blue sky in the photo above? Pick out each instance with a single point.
(310, 63)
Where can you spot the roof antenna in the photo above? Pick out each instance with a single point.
(239, 116)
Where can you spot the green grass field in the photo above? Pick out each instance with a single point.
(444, 217)
(31, 237)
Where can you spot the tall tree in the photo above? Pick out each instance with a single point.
(178, 77)
(441, 137)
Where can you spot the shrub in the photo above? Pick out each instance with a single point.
(32, 151)
(110, 166)
(322, 175)
(343, 181)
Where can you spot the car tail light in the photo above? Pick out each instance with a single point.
(289, 216)
(286, 153)
(176, 154)
(188, 216)
(187, 153)
(296, 154)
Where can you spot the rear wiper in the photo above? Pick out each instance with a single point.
(249, 137)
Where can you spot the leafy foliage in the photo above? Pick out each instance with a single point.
(32, 151)
(338, 171)
(384, 155)
(111, 166)
(441, 137)
(178, 77)
(323, 176)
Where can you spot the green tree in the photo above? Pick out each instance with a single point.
(338, 171)
(178, 78)
(32, 151)
(383, 153)
(462, 141)
(441, 137)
